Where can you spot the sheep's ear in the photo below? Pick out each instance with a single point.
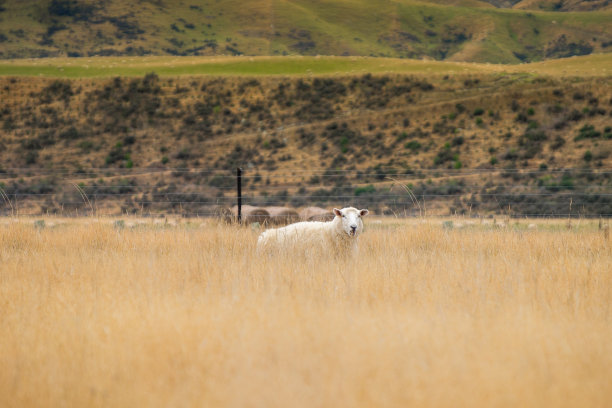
(363, 212)
(338, 212)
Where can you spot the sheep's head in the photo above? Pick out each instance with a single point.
(351, 220)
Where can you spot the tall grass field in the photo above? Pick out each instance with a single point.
(95, 313)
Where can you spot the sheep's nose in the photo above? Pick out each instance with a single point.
(353, 228)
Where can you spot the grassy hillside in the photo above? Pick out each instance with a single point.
(426, 128)
(460, 31)
(564, 5)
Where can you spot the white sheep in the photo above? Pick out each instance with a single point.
(338, 236)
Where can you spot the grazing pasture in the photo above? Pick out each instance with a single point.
(596, 65)
(96, 312)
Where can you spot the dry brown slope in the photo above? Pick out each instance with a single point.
(273, 126)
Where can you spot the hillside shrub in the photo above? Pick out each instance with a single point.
(125, 28)
(534, 136)
(567, 182)
(445, 155)
(587, 132)
(31, 157)
(533, 125)
(46, 138)
(314, 180)
(116, 154)
(30, 144)
(71, 8)
(443, 128)
(221, 181)
(8, 124)
(457, 141)
(560, 124)
(70, 134)
(369, 189)
(344, 144)
(521, 118)
(556, 108)
(86, 146)
(413, 145)
(56, 90)
(511, 154)
(557, 143)
(531, 143)
(574, 115)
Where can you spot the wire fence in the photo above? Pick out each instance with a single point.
(202, 192)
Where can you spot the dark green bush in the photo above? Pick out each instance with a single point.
(587, 132)
(86, 145)
(457, 141)
(70, 134)
(445, 155)
(369, 189)
(31, 157)
(30, 144)
(413, 145)
(557, 143)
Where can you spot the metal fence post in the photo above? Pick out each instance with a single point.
(239, 193)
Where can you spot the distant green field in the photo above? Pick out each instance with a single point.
(112, 66)
(593, 65)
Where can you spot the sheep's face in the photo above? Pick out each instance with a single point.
(351, 220)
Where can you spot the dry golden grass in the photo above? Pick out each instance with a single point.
(188, 316)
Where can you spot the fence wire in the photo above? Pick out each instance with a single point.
(201, 192)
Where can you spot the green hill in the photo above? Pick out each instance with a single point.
(463, 30)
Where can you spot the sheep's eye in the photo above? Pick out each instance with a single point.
(343, 216)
